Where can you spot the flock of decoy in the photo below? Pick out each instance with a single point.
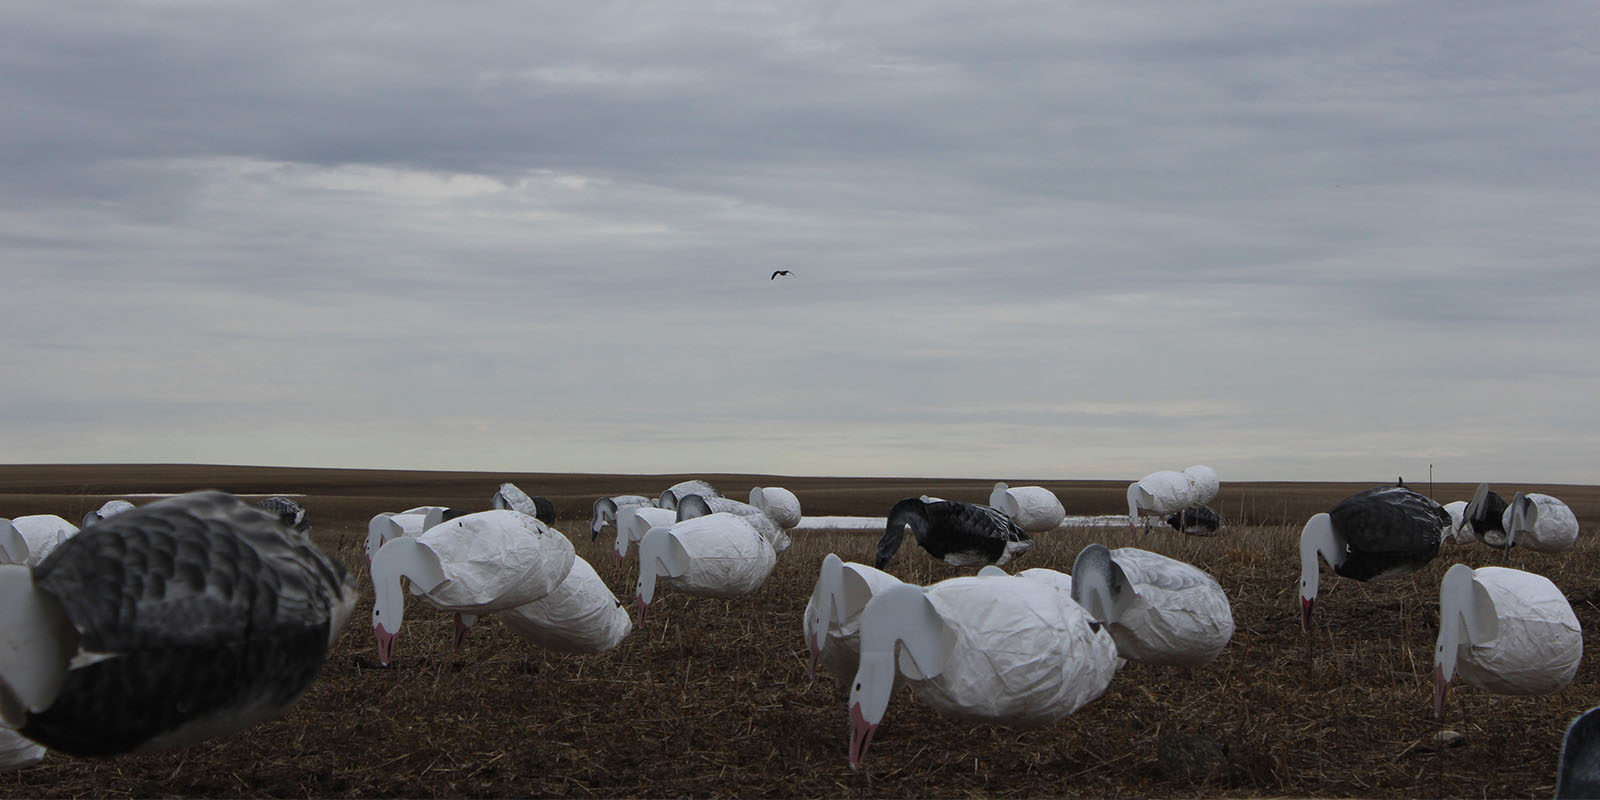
(159, 626)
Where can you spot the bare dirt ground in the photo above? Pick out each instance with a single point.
(710, 698)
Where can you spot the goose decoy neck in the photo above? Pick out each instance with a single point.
(908, 513)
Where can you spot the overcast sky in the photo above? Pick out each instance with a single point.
(1309, 241)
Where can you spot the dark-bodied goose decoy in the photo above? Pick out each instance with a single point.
(1504, 631)
(1578, 772)
(959, 534)
(1483, 517)
(1196, 521)
(513, 498)
(1372, 535)
(290, 513)
(183, 619)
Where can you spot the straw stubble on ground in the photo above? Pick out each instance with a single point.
(710, 697)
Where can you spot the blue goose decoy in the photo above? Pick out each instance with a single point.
(165, 625)
(959, 534)
(1578, 774)
(1372, 535)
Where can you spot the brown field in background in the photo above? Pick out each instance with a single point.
(710, 697)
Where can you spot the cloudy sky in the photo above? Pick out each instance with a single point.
(1317, 240)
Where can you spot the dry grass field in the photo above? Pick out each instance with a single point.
(710, 698)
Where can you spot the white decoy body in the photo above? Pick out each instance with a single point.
(694, 505)
(508, 496)
(676, 492)
(832, 624)
(223, 624)
(18, 751)
(1377, 534)
(386, 526)
(1539, 522)
(606, 510)
(1159, 610)
(473, 565)
(990, 648)
(777, 503)
(1504, 631)
(1034, 508)
(1169, 491)
(579, 616)
(1578, 771)
(721, 555)
(633, 522)
(106, 511)
(1454, 534)
(29, 539)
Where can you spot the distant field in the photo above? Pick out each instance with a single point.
(710, 698)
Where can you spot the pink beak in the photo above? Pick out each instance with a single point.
(1440, 686)
(1305, 614)
(860, 736)
(459, 637)
(638, 601)
(385, 643)
(816, 656)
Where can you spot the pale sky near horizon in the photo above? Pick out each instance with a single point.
(1300, 241)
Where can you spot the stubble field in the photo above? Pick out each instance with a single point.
(710, 698)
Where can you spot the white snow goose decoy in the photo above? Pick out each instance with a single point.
(721, 555)
(1457, 509)
(1539, 522)
(1504, 631)
(106, 511)
(694, 505)
(579, 616)
(1372, 535)
(1170, 491)
(1159, 610)
(29, 539)
(959, 534)
(1034, 508)
(1484, 517)
(677, 491)
(832, 624)
(1578, 772)
(183, 619)
(607, 508)
(990, 648)
(508, 496)
(472, 565)
(777, 503)
(633, 522)
(386, 526)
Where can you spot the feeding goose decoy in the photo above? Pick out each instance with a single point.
(606, 510)
(721, 555)
(581, 615)
(1034, 508)
(292, 514)
(508, 496)
(959, 534)
(1484, 516)
(1171, 491)
(778, 503)
(1539, 522)
(106, 511)
(29, 539)
(1504, 631)
(633, 522)
(1196, 521)
(670, 497)
(990, 648)
(831, 623)
(1457, 510)
(472, 565)
(694, 505)
(1578, 771)
(223, 623)
(1159, 610)
(1372, 535)
(386, 526)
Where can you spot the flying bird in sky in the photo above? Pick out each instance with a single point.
(777, 272)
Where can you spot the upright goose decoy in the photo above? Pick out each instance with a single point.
(292, 514)
(1504, 631)
(1578, 772)
(1034, 508)
(777, 503)
(607, 508)
(29, 539)
(721, 555)
(508, 496)
(579, 616)
(1372, 535)
(694, 505)
(1169, 491)
(959, 534)
(1159, 610)
(1483, 518)
(988, 648)
(183, 619)
(633, 522)
(677, 491)
(1539, 522)
(106, 511)
(831, 623)
(472, 565)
